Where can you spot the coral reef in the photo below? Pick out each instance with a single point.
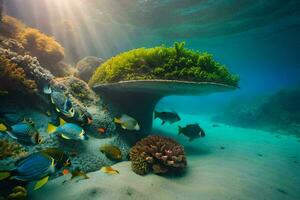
(28, 68)
(17, 37)
(78, 89)
(17, 192)
(168, 63)
(11, 27)
(45, 48)
(13, 77)
(158, 154)
(87, 66)
(279, 112)
(12, 45)
(8, 149)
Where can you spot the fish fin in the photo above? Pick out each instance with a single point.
(47, 89)
(64, 137)
(123, 127)
(3, 127)
(4, 175)
(155, 114)
(11, 135)
(51, 128)
(52, 101)
(117, 120)
(41, 183)
(61, 121)
(179, 130)
(163, 122)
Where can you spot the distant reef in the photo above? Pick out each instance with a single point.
(165, 63)
(279, 112)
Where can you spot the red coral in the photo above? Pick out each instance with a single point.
(159, 154)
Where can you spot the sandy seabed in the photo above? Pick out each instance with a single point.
(230, 163)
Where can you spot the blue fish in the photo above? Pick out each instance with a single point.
(35, 167)
(22, 131)
(68, 131)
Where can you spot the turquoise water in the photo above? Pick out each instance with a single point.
(61, 62)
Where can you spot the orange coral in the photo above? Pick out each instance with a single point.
(13, 77)
(45, 48)
(11, 27)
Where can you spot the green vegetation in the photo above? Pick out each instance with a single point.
(169, 63)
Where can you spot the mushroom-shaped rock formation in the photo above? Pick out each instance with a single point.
(158, 154)
(136, 80)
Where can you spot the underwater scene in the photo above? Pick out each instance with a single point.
(150, 99)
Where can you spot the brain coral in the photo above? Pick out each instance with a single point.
(158, 154)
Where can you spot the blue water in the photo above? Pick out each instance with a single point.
(254, 151)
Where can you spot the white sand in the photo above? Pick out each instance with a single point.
(254, 165)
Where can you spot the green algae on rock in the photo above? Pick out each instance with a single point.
(164, 63)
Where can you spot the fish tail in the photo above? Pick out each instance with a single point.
(5, 175)
(155, 114)
(61, 121)
(4, 127)
(51, 128)
(47, 89)
(117, 120)
(179, 130)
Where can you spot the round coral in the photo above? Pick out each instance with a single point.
(158, 154)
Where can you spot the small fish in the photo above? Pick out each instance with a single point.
(215, 125)
(192, 131)
(65, 172)
(35, 167)
(61, 158)
(127, 123)
(61, 102)
(109, 170)
(3, 93)
(23, 131)
(170, 117)
(111, 151)
(101, 130)
(79, 173)
(68, 131)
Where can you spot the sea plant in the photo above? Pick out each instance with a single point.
(158, 154)
(171, 63)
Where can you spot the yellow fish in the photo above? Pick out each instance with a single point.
(112, 152)
(109, 170)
